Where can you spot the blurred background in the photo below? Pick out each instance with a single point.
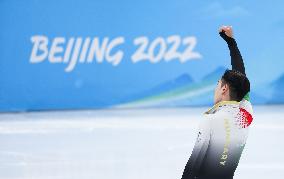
(116, 89)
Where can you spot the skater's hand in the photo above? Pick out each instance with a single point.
(228, 30)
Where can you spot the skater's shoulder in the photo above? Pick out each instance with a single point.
(223, 106)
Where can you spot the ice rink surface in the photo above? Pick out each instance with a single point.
(126, 144)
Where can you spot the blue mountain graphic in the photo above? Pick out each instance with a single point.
(183, 91)
(215, 75)
(277, 86)
(181, 81)
(182, 85)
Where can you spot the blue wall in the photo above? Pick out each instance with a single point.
(105, 54)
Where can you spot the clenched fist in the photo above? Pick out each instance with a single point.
(227, 29)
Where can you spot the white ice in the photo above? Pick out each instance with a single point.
(126, 144)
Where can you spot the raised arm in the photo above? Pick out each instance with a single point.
(226, 32)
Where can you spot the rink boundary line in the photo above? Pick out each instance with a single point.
(51, 127)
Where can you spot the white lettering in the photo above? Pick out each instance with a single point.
(68, 50)
(55, 48)
(95, 49)
(75, 55)
(40, 43)
(71, 51)
(117, 57)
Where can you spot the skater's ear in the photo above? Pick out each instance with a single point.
(225, 88)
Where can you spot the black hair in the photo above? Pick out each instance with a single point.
(238, 83)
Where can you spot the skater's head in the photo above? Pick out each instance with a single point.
(233, 86)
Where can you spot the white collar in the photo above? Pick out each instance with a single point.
(221, 104)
